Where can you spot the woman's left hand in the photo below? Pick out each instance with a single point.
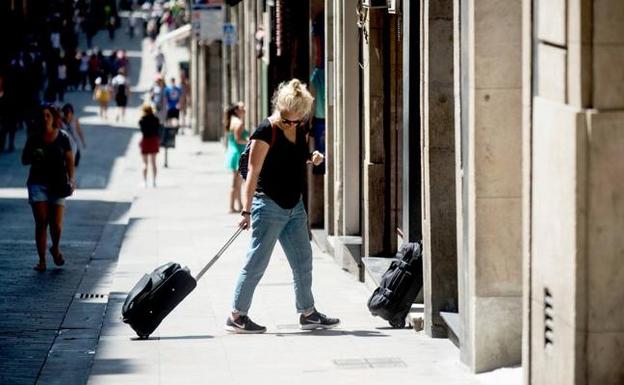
(317, 158)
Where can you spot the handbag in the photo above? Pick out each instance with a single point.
(61, 188)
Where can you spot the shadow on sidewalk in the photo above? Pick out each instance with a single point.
(173, 338)
(114, 366)
(333, 333)
(36, 306)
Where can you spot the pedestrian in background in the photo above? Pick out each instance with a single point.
(150, 143)
(273, 206)
(160, 61)
(131, 24)
(111, 25)
(185, 99)
(61, 78)
(157, 98)
(51, 178)
(8, 118)
(71, 125)
(84, 70)
(122, 92)
(94, 69)
(173, 93)
(236, 140)
(102, 95)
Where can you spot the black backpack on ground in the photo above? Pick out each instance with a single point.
(399, 286)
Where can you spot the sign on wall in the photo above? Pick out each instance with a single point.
(207, 19)
(229, 34)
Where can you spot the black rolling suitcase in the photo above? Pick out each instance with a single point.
(159, 292)
(399, 286)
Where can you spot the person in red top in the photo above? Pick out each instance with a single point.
(150, 144)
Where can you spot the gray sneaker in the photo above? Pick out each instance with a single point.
(317, 320)
(243, 325)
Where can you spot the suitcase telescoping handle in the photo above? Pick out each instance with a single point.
(216, 257)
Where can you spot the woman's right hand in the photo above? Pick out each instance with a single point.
(245, 221)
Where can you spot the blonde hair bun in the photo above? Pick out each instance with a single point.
(293, 96)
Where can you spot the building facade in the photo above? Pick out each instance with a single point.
(491, 130)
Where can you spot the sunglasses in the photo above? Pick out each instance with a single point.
(292, 122)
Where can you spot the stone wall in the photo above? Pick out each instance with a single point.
(576, 209)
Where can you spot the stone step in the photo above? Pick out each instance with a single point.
(452, 324)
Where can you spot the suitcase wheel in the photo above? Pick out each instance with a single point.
(143, 336)
(397, 323)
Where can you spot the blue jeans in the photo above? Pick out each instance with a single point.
(270, 222)
(39, 193)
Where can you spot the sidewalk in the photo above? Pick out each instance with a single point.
(185, 220)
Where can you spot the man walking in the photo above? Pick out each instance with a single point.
(172, 98)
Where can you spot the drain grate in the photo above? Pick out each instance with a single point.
(91, 296)
(370, 363)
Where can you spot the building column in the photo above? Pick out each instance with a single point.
(329, 118)
(213, 112)
(226, 57)
(439, 216)
(252, 62)
(195, 81)
(490, 218)
(576, 283)
(338, 98)
(411, 178)
(202, 80)
(350, 117)
(374, 124)
(316, 186)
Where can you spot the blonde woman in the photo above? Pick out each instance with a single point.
(102, 95)
(273, 206)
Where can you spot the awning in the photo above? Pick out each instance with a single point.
(177, 34)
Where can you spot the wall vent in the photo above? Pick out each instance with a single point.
(549, 316)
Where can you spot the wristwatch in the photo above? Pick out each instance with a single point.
(243, 213)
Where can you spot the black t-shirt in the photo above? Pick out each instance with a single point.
(283, 173)
(149, 126)
(47, 160)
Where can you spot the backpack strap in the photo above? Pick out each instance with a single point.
(273, 135)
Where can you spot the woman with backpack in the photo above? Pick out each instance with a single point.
(51, 179)
(122, 92)
(236, 139)
(273, 207)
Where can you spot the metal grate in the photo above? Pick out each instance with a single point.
(91, 296)
(370, 363)
(549, 315)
